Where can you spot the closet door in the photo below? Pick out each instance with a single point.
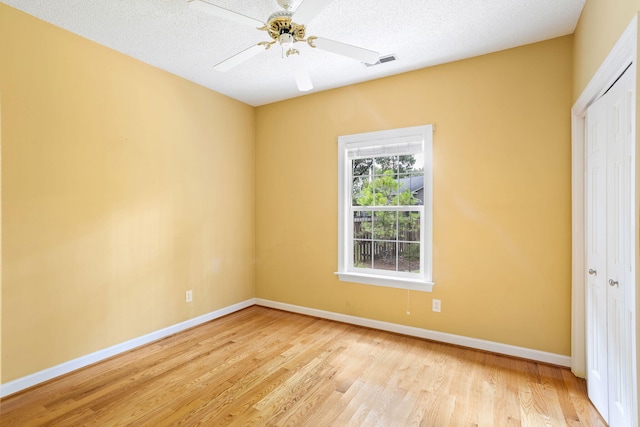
(611, 370)
(620, 250)
(596, 244)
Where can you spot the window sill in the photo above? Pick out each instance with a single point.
(391, 282)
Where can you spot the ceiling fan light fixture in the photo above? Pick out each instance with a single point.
(286, 41)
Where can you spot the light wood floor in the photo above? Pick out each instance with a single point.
(267, 367)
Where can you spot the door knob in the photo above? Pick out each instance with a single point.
(613, 282)
(592, 271)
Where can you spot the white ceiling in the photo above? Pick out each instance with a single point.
(174, 37)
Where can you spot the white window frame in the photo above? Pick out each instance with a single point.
(378, 140)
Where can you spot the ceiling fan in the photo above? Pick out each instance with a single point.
(283, 29)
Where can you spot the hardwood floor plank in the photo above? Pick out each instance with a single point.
(262, 366)
(507, 409)
(440, 411)
(585, 411)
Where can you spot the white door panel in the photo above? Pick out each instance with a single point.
(611, 374)
(597, 363)
(620, 254)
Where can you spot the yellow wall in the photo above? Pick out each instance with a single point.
(502, 226)
(600, 26)
(122, 187)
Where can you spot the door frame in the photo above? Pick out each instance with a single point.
(623, 53)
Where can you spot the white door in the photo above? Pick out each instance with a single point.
(610, 253)
(596, 216)
(620, 230)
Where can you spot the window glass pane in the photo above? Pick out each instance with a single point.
(362, 254)
(358, 196)
(409, 226)
(362, 225)
(384, 256)
(411, 189)
(382, 165)
(409, 257)
(385, 225)
(362, 167)
(384, 190)
(413, 162)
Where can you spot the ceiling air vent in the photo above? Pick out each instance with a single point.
(383, 59)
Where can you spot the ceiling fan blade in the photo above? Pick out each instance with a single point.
(239, 58)
(308, 10)
(221, 12)
(300, 73)
(365, 55)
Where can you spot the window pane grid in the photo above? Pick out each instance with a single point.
(386, 239)
(384, 210)
(387, 181)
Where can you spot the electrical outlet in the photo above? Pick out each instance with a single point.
(435, 305)
(189, 296)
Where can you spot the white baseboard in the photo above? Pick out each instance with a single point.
(494, 347)
(66, 367)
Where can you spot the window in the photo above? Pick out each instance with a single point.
(384, 201)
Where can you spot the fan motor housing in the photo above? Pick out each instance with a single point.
(280, 23)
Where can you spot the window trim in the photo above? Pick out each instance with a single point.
(347, 273)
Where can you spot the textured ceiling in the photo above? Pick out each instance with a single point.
(172, 36)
